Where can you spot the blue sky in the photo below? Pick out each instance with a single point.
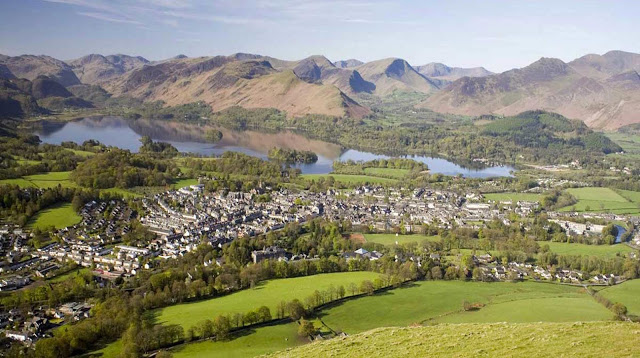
(497, 34)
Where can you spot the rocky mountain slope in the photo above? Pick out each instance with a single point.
(238, 80)
(348, 63)
(98, 69)
(443, 74)
(603, 91)
(395, 74)
(30, 67)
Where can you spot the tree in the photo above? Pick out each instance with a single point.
(619, 309)
(295, 309)
(251, 317)
(353, 288)
(221, 327)
(264, 314)
(205, 328)
(341, 291)
(306, 328)
(281, 309)
(367, 287)
(436, 273)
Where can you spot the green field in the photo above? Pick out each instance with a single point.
(350, 179)
(269, 294)
(593, 339)
(513, 197)
(429, 301)
(632, 196)
(387, 172)
(391, 239)
(564, 248)
(630, 143)
(627, 293)
(111, 350)
(561, 309)
(261, 341)
(122, 192)
(60, 216)
(601, 200)
(52, 179)
(48, 180)
(67, 275)
(184, 182)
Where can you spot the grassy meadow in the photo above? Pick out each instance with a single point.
(59, 216)
(429, 301)
(47, 180)
(513, 197)
(387, 172)
(269, 293)
(260, 341)
(184, 182)
(593, 339)
(627, 293)
(391, 239)
(564, 248)
(549, 309)
(601, 200)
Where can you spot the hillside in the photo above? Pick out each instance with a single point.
(394, 74)
(603, 91)
(97, 69)
(591, 339)
(30, 67)
(443, 74)
(348, 63)
(16, 99)
(226, 81)
(20, 97)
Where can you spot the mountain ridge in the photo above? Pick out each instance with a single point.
(601, 90)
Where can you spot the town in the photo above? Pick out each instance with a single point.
(180, 220)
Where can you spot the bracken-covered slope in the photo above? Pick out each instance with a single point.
(592, 339)
(603, 91)
(243, 80)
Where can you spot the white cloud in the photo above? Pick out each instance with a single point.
(107, 17)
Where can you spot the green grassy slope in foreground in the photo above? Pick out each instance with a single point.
(268, 293)
(595, 339)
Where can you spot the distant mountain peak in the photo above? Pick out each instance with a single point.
(352, 62)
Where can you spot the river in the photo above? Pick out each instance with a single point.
(126, 134)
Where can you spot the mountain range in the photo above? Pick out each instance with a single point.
(601, 90)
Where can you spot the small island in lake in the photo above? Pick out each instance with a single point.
(292, 156)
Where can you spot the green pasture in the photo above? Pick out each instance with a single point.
(269, 293)
(391, 239)
(59, 216)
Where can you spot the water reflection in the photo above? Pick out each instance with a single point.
(126, 134)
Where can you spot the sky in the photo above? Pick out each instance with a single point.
(496, 34)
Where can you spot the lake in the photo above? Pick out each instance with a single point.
(126, 134)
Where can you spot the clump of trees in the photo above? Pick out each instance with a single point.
(292, 156)
(123, 169)
(160, 149)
